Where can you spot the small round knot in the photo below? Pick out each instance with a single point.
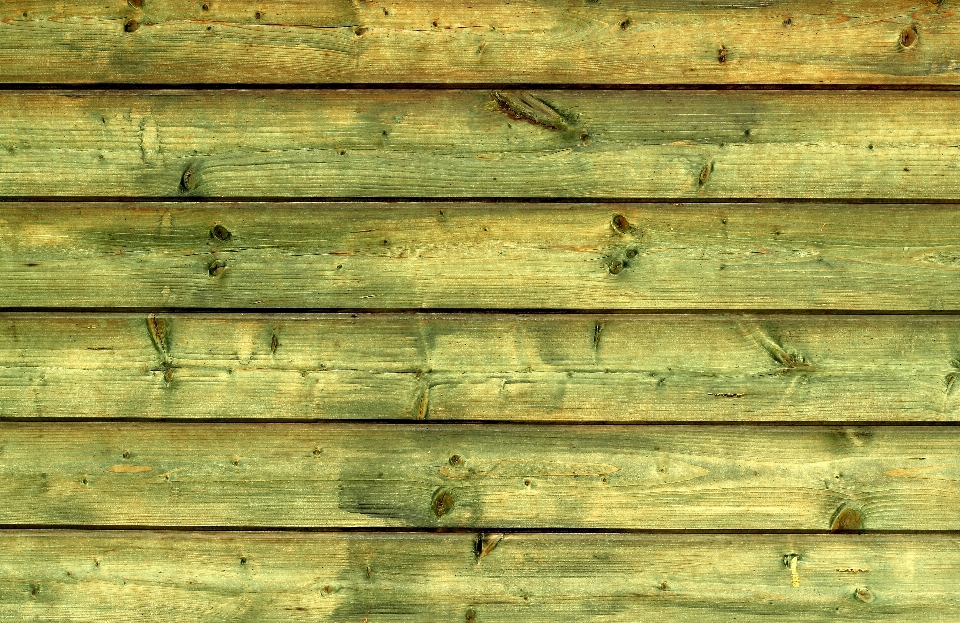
(216, 268)
(909, 36)
(220, 232)
(863, 594)
(442, 502)
(847, 519)
(621, 224)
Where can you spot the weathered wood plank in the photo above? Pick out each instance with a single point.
(574, 368)
(454, 255)
(379, 475)
(67, 576)
(485, 41)
(440, 143)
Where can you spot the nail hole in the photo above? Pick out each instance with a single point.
(204, 7)
(131, 25)
(722, 54)
(243, 560)
(626, 24)
(257, 15)
(456, 459)
(616, 267)
(360, 30)
(787, 21)
(135, 3)
(126, 454)
(864, 595)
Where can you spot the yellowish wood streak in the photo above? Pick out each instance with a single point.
(485, 477)
(573, 368)
(450, 143)
(484, 41)
(480, 256)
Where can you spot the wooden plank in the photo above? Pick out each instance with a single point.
(442, 143)
(67, 576)
(575, 368)
(484, 41)
(479, 477)
(480, 256)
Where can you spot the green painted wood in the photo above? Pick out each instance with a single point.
(449, 143)
(573, 368)
(484, 41)
(106, 577)
(487, 256)
(479, 476)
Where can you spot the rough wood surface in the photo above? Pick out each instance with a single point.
(480, 476)
(574, 368)
(97, 577)
(449, 143)
(480, 256)
(484, 41)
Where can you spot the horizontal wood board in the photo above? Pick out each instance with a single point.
(484, 41)
(107, 577)
(480, 476)
(451, 255)
(480, 143)
(491, 367)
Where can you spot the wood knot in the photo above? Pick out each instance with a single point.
(620, 224)
(864, 594)
(190, 179)
(846, 519)
(216, 268)
(705, 173)
(442, 502)
(909, 36)
(220, 233)
(528, 107)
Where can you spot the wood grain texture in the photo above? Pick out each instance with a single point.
(573, 368)
(484, 41)
(87, 577)
(480, 256)
(479, 477)
(449, 143)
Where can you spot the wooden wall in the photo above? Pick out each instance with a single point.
(528, 310)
